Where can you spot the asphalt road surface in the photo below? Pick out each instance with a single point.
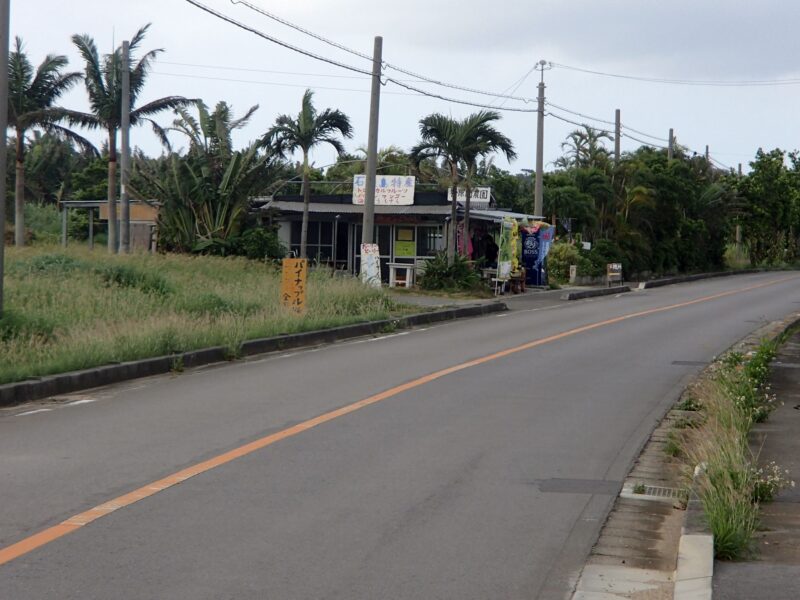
(471, 460)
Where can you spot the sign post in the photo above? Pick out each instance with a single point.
(294, 277)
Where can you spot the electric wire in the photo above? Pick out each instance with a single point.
(692, 82)
(518, 85)
(426, 79)
(571, 122)
(307, 32)
(456, 100)
(385, 64)
(275, 83)
(274, 40)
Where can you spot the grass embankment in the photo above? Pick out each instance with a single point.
(729, 483)
(74, 309)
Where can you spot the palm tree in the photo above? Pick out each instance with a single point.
(32, 95)
(206, 192)
(304, 132)
(103, 79)
(584, 148)
(210, 132)
(460, 143)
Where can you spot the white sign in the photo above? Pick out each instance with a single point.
(390, 190)
(371, 265)
(479, 197)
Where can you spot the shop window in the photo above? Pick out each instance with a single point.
(319, 246)
(429, 241)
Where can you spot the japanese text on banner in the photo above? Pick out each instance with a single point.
(390, 190)
(293, 284)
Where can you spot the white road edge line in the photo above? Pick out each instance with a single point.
(33, 412)
(85, 401)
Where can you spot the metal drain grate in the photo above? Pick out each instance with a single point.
(689, 363)
(662, 492)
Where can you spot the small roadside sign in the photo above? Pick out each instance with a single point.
(614, 273)
(293, 284)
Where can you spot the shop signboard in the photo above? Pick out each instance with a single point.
(614, 273)
(479, 197)
(390, 190)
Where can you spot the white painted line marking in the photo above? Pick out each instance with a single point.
(33, 412)
(85, 401)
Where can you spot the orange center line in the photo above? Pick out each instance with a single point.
(77, 521)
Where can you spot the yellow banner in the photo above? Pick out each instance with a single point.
(293, 284)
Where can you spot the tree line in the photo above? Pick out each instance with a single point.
(653, 213)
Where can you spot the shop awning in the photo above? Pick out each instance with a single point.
(333, 208)
(497, 216)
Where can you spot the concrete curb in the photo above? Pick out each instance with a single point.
(620, 289)
(12, 394)
(695, 572)
(646, 285)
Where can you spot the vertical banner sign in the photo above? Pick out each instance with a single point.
(536, 244)
(371, 265)
(507, 254)
(293, 284)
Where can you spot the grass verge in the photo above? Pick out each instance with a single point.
(75, 309)
(729, 483)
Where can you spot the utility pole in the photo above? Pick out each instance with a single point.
(368, 225)
(538, 189)
(4, 18)
(617, 135)
(125, 130)
(706, 153)
(740, 169)
(671, 147)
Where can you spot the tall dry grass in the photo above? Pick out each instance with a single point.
(76, 309)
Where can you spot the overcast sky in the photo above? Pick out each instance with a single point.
(478, 44)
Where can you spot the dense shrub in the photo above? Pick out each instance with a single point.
(259, 243)
(559, 259)
(127, 276)
(439, 275)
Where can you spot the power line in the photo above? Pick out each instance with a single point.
(273, 83)
(426, 79)
(307, 32)
(518, 84)
(599, 120)
(455, 100)
(387, 65)
(251, 70)
(629, 136)
(573, 112)
(694, 82)
(228, 19)
(649, 135)
(571, 122)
